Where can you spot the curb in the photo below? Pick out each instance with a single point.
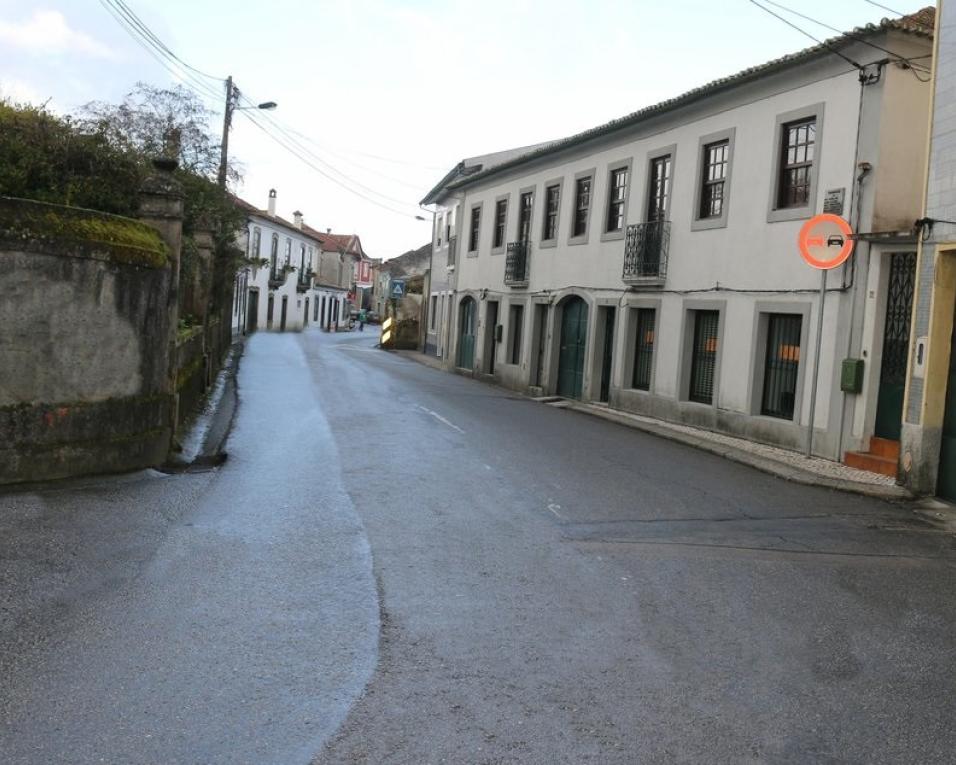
(765, 464)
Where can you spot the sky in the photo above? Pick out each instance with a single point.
(388, 95)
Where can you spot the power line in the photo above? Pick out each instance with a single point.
(304, 149)
(322, 172)
(192, 83)
(807, 34)
(851, 35)
(169, 60)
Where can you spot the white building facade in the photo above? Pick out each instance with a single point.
(277, 291)
(652, 263)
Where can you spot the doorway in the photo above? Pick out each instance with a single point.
(466, 333)
(574, 329)
(282, 316)
(608, 356)
(252, 315)
(896, 342)
(946, 482)
(541, 339)
(491, 336)
(270, 310)
(305, 318)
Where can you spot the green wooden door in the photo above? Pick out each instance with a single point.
(896, 343)
(574, 329)
(466, 336)
(946, 486)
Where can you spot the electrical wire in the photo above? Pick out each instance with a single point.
(319, 170)
(851, 35)
(152, 44)
(805, 33)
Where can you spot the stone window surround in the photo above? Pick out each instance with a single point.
(479, 207)
(559, 182)
(762, 310)
(688, 309)
(630, 337)
(704, 224)
(776, 214)
(626, 164)
(583, 239)
(494, 223)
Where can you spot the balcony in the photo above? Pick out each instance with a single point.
(305, 281)
(516, 264)
(645, 253)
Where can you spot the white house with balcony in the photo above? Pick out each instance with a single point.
(651, 263)
(275, 290)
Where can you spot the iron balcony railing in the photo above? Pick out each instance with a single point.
(516, 264)
(645, 252)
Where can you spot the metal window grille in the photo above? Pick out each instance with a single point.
(501, 215)
(899, 306)
(781, 365)
(644, 348)
(796, 163)
(704, 359)
(716, 159)
(552, 204)
(616, 196)
(517, 317)
(582, 202)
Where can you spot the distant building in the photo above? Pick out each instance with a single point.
(275, 287)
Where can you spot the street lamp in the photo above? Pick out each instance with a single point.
(232, 97)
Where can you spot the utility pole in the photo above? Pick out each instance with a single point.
(226, 125)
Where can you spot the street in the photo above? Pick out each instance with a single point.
(398, 565)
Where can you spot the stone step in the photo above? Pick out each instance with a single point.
(873, 463)
(884, 447)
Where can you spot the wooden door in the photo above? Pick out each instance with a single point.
(574, 329)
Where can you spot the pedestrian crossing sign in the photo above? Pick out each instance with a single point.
(397, 289)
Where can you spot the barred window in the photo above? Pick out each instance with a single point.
(644, 348)
(617, 194)
(716, 160)
(796, 163)
(781, 365)
(704, 356)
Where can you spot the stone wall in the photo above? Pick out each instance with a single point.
(85, 382)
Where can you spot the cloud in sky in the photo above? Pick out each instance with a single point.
(48, 32)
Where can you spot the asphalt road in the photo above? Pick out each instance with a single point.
(398, 565)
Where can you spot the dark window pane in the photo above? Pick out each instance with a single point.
(643, 348)
(781, 365)
(704, 358)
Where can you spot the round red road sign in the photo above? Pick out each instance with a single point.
(825, 241)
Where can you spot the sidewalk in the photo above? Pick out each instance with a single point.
(790, 465)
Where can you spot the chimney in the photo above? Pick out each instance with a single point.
(328, 231)
(272, 203)
(297, 219)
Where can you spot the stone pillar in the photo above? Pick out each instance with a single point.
(161, 206)
(203, 273)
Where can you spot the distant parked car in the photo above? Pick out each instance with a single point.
(372, 317)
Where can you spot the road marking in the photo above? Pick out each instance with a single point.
(554, 509)
(441, 419)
